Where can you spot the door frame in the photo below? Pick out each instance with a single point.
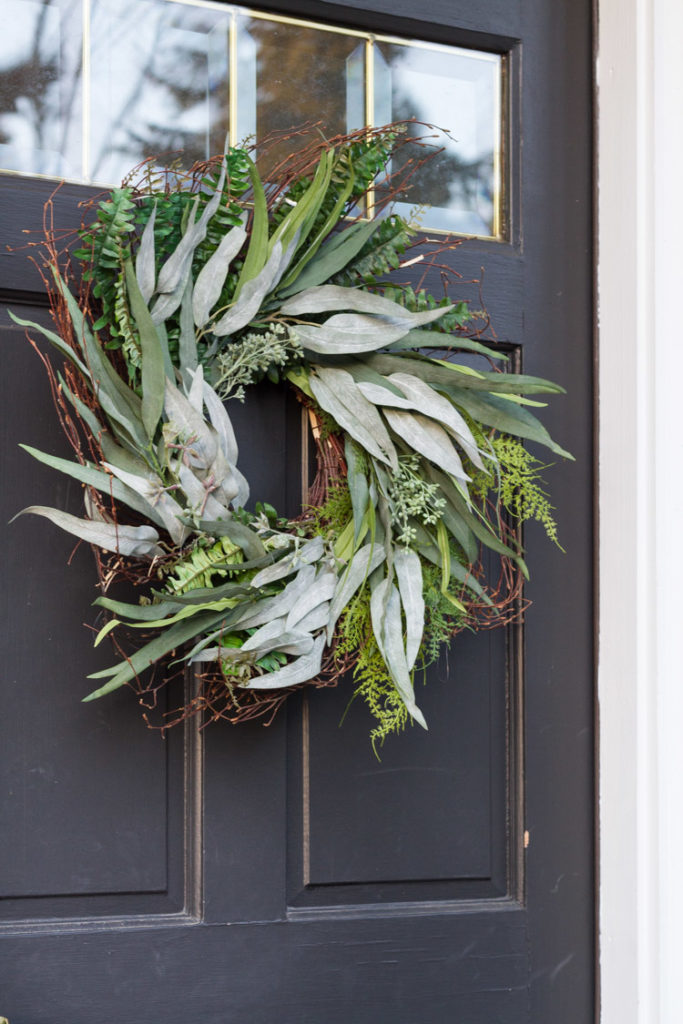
(640, 494)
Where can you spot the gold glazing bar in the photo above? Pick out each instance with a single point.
(497, 139)
(232, 80)
(301, 23)
(369, 109)
(86, 99)
(421, 44)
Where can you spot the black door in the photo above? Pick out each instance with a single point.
(283, 875)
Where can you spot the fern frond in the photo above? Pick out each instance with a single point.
(202, 565)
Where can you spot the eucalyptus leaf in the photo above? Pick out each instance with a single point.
(418, 339)
(338, 394)
(385, 612)
(117, 400)
(359, 488)
(145, 264)
(320, 592)
(272, 607)
(188, 357)
(153, 370)
(151, 490)
(211, 278)
(409, 575)
(222, 424)
(101, 481)
(363, 563)
(191, 426)
(333, 256)
(428, 438)
(301, 670)
(172, 276)
(257, 252)
(494, 411)
(62, 346)
(136, 612)
(348, 334)
(142, 659)
(136, 541)
(251, 296)
(330, 297)
(430, 403)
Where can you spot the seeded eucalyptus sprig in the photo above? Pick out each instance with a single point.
(190, 298)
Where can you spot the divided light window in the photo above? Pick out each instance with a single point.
(89, 88)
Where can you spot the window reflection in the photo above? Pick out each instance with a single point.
(457, 91)
(290, 75)
(159, 83)
(90, 88)
(40, 87)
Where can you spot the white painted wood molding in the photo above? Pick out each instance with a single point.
(640, 675)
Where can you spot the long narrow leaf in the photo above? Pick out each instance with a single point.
(428, 438)
(409, 576)
(153, 371)
(333, 256)
(145, 261)
(301, 670)
(98, 479)
(135, 541)
(211, 278)
(339, 395)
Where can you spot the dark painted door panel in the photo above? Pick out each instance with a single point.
(285, 875)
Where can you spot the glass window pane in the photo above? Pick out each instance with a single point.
(159, 83)
(40, 87)
(458, 91)
(290, 75)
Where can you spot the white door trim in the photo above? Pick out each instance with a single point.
(640, 664)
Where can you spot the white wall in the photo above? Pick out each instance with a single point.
(640, 684)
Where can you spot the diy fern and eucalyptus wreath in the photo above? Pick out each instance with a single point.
(189, 289)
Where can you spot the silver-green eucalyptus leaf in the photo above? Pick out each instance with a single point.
(301, 670)
(145, 259)
(150, 488)
(409, 575)
(211, 278)
(429, 402)
(428, 438)
(316, 619)
(188, 357)
(330, 297)
(280, 604)
(320, 592)
(134, 541)
(221, 423)
(62, 346)
(348, 334)
(174, 272)
(338, 394)
(191, 427)
(251, 297)
(309, 553)
(385, 613)
(153, 369)
(101, 481)
(200, 499)
(363, 563)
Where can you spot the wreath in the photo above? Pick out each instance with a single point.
(185, 291)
